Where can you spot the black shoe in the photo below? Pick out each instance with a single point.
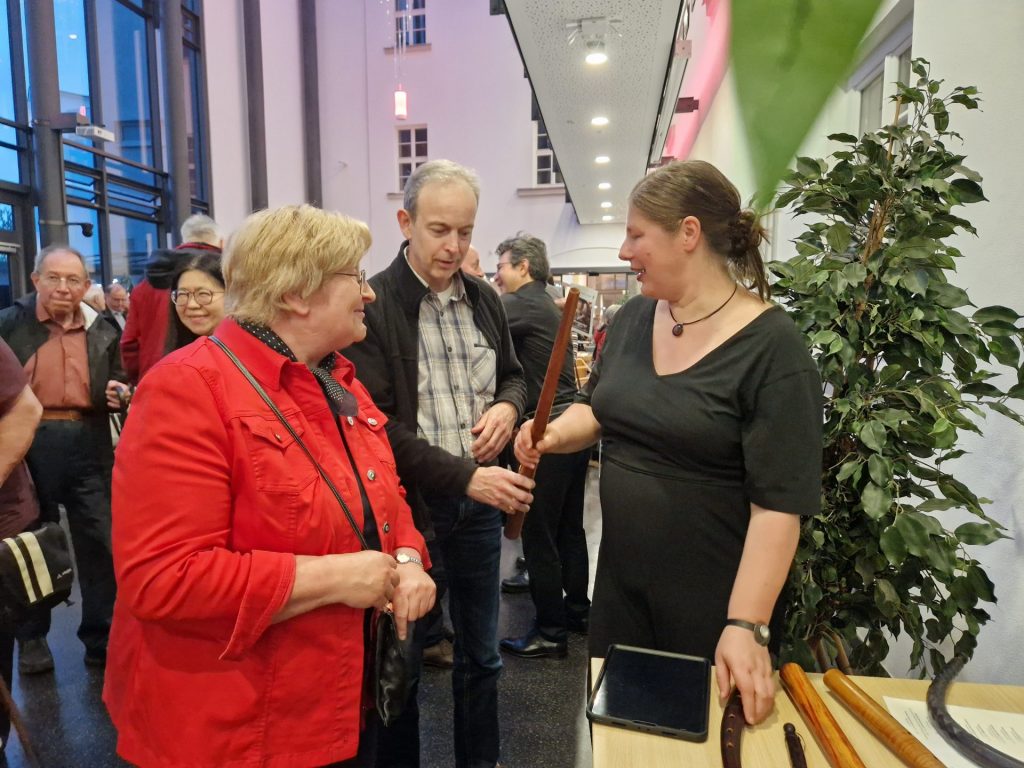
(580, 624)
(518, 583)
(34, 656)
(533, 646)
(521, 563)
(440, 655)
(96, 658)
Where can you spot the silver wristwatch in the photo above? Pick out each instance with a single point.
(403, 558)
(762, 635)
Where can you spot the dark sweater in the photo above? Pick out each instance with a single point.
(387, 363)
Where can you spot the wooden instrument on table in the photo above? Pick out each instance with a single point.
(514, 523)
(883, 725)
(732, 730)
(830, 737)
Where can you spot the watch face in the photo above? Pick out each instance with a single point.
(762, 633)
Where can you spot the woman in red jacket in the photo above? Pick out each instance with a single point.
(238, 636)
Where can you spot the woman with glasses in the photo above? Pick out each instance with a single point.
(197, 299)
(244, 592)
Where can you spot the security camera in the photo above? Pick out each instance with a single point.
(87, 230)
(87, 227)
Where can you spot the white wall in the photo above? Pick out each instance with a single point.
(282, 99)
(966, 47)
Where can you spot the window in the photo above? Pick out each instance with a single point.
(410, 22)
(412, 152)
(878, 89)
(195, 102)
(871, 105)
(546, 165)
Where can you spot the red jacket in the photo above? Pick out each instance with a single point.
(211, 500)
(145, 331)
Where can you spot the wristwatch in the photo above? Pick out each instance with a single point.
(403, 558)
(762, 635)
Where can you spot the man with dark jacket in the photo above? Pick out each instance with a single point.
(554, 542)
(144, 339)
(438, 360)
(71, 358)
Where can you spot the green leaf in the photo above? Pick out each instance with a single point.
(838, 237)
(988, 314)
(791, 53)
(886, 599)
(846, 138)
(880, 470)
(968, 191)
(876, 500)
(977, 533)
(914, 534)
(916, 281)
(893, 547)
(873, 435)
(981, 584)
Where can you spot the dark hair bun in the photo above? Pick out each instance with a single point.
(745, 234)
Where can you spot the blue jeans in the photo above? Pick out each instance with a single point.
(469, 538)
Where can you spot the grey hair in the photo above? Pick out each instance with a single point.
(199, 228)
(523, 246)
(55, 248)
(437, 172)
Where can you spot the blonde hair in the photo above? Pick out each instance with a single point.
(292, 249)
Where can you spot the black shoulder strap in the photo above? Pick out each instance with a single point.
(266, 398)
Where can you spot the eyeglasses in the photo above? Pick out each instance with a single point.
(359, 276)
(502, 264)
(73, 283)
(203, 297)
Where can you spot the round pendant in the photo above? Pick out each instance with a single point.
(677, 329)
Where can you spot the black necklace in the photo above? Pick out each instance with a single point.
(677, 329)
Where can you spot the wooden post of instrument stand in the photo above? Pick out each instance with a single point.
(514, 523)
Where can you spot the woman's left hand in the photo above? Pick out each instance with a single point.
(741, 662)
(413, 597)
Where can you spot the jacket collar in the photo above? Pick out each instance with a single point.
(267, 365)
(410, 288)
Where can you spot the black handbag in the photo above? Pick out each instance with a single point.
(35, 572)
(391, 656)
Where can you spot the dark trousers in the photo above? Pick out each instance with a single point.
(555, 545)
(67, 469)
(6, 661)
(469, 539)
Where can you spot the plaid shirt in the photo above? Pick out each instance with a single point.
(457, 371)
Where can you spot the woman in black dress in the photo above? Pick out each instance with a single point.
(710, 409)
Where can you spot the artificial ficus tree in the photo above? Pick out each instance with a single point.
(907, 368)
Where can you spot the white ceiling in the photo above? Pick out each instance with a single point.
(628, 89)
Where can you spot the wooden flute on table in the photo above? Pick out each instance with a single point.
(883, 725)
(514, 523)
(830, 737)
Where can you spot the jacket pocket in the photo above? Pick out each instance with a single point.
(279, 464)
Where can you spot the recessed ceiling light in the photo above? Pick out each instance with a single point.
(599, 121)
(607, 217)
(595, 53)
(602, 159)
(606, 204)
(604, 185)
(72, 36)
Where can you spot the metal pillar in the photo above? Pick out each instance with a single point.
(48, 180)
(174, 107)
(310, 101)
(254, 98)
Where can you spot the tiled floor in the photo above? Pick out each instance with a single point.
(541, 705)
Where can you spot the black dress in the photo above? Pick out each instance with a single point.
(684, 457)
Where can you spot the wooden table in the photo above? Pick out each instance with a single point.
(763, 745)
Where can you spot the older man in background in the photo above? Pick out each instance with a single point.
(71, 358)
(117, 305)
